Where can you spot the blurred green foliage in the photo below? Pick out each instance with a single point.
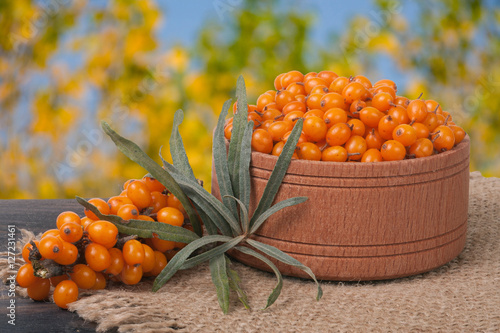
(50, 142)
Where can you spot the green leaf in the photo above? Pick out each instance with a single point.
(220, 214)
(279, 171)
(179, 156)
(220, 280)
(240, 121)
(178, 260)
(275, 208)
(223, 248)
(285, 258)
(243, 213)
(234, 284)
(132, 151)
(244, 174)
(220, 160)
(144, 229)
(277, 290)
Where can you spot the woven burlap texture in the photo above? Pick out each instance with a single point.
(461, 296)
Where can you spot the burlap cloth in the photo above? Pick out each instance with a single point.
(461, 296)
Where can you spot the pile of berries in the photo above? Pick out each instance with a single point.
(85, 252)
(348, 119)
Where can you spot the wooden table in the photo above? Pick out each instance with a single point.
(36, 216)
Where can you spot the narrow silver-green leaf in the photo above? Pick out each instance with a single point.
(144, 229)
(285, 258)
(279, 171)
(244, 173)
(240, 121)
(234, 283)
(178, 260)
(132, 151)
(177, 150)
(243, 213)
(277, 290)
(207, 202)
(220, 280)
(223, 248)
(280, 205)
(220, 160)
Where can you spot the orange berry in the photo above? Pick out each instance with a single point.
(133, 252)
(39, 290)
(116, 202)
(153, 184)
(131, 274)
(25, 276)
(101, 205)
(97, 257)
(170, 216)
(139, 193)
(102, 232)
(65, 217)
(83, 276)
(393, 150)
(128, 212)
(67, 255)
(66, 292)
(71, 232)
(50, 247)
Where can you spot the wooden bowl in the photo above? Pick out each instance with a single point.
(366, 221)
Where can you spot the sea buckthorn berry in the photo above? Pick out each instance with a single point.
(338, 134)
(262, 141)
(354, 91)
(160, 263)
(86, 223)
(421, 130)
(125, 185)
(334, 154)
(332, 100)
(334, 116)
(71, 232)
(314, 112)
(399, 113)
(159, 200)
(313, 101)
(372, 155)
(101, 205)
(357, 127)
(294, 106)
(310, 75)
(271, 114)
(423, 147)
(283, 97)
(161, 244)
(357, 106)
(373, 139)
(278, 148)
(228, 130)
(51, 232)
(296, 88)
(117, 261)
(301, 98)
(68, 216)
(50, 246)
(328, 76)
(279, 128)
(153, 184)
(133, 252)
(39, 290)
(433, 106)
(55, 280)
(149, 259)
(458, 132)
(417, 110)
(26, 251)
(382, 101)
(393, 150)
(338, 84)
(173, 202)
(308, 151)
(139, 193)
(102, 232)
(405, 134)
(386, 126)
(116, 202)
(97, 257)
(100, 281)
(386, 82)
(431, 121)
(356, 147)
(131, 274)
(294, 116)
(65, 292)
(83, 276)
(309, 84)
(443, 138)
(321, 90)
(314, 128)
(370, 116)
(264, 100)
(291, 77)
(385, 89)
(402, 101)
(67, 255)
(302, 137)
(363, 80)
(277, 82)
(170, 216)
(25, 276)
(128, 212)
(256, 118)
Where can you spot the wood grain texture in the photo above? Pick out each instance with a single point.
(367, 221)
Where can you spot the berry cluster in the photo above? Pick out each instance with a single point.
(85, 252)
(348, 119)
